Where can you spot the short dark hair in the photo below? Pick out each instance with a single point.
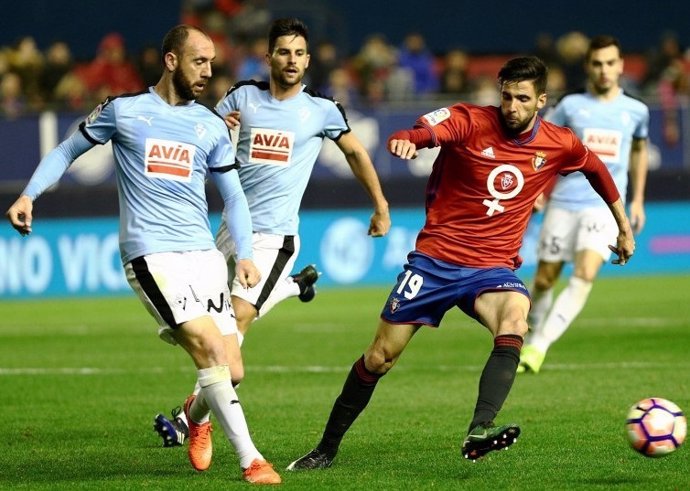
(286, 27)
(600, 42)
(525, 68)
(176, 38)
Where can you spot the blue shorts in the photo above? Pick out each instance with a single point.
(428, 288)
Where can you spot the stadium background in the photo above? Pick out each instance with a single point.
(74, 248)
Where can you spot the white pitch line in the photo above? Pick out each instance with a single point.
(331, 369)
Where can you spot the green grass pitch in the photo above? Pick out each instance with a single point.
(82, 379)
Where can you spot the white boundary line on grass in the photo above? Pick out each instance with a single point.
(6, 371)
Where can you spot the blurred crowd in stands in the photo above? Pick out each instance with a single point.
(35, 78)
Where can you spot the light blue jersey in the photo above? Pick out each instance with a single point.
(605, 127)
(278, 144)
(162, 154)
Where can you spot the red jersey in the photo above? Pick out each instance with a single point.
(484, 182)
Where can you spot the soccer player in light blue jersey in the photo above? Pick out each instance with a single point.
(165, 145)
(577, 227)
(282, 126)
(282, 129)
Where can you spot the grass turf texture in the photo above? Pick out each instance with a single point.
(82, 379)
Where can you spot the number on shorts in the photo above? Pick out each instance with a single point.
(413, 283)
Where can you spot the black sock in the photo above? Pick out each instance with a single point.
(497, 378)
(356, 393)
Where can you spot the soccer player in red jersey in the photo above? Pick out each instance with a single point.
(493, 164)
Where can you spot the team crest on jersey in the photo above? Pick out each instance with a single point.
(395, 305)
(166, 159)
(538, 160)
(271, 146)
(438, 116)
(200, 130)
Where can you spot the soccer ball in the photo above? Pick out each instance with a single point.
(656, 427)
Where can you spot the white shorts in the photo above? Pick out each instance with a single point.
(274, 256)
(176, 287)
(566, 232)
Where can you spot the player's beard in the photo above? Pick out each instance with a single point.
(183, 86)
(518, 127)
(282, 80)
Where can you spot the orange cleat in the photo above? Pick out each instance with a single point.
(261, 472)
(200, 448)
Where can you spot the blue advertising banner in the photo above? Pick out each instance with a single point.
(80, 257)
(25, 140)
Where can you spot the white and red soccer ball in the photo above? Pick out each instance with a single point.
(656, 427)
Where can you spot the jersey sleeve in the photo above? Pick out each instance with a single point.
(229, 103)
(222, 156)
(100, 125)
(336, 121)
(642, 128)
(447, 124)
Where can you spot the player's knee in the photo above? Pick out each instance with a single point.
(543, 282)
(375, 361)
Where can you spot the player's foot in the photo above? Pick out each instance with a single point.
(173, 431)
(531, 359)
(306, 279)
(487, 437)
(316, 459)
(261, 472)
(200, 448)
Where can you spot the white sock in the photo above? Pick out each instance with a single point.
(240, 338)
(542, 300)
(566, 307)
(285, 289)
(218, 393)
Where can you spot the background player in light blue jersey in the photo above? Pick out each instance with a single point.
(164, 145)
(577, 226)
(282, 129)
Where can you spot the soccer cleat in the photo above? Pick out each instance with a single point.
(173, 431)
(531, 359)
(261, 472)
(487, 437)
(306, 279)
(316, 459)
(200, 448)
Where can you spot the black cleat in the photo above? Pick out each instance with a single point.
(487, 437)
(306, 279)
(173, 431)
(316, 459)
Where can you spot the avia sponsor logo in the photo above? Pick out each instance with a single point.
(168, 159)
(271, 146)
(604, 142)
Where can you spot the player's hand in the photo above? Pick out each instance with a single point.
(624, 248)
(403, 149)
(539, 203)
(380, 223)
(232, 119)
(20, 214)
(247, 273)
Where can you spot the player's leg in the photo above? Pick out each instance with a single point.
(274, 256)
(556, 247)
(504, 314)
(596, 229)
(389, 342)
(424, 291)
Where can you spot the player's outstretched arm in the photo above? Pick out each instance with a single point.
(363, 169)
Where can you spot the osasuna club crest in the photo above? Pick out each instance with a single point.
(538, 160)
(395, 304)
